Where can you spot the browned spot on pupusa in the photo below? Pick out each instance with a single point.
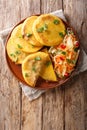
(47, 18)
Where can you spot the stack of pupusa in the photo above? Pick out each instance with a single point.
(26, 44)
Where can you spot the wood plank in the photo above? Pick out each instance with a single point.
(29, 7)
(9, 13)
(53, 100)
(75, 99)
(31, 111)
(76, 13)
(50, 5)
(53, 109)
(85, 99)
(31, 114)
(75, 104)
(9, 88)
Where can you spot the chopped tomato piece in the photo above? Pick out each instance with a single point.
(63, 46)
(77, 44)
(62, 58)
(66, 74)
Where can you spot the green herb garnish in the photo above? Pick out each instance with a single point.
(63, 52)
(48, 63)
(60, 51)
(44, 28)
(71, 61)
(13, 55)
(37, 58)
(17, 52)
(61, 34)
(32, 45)
(29, 34)
(75, 49)
(20, 36)
(34, 68)
(19, 46)
(66, 31)
(26, 75)
(56, 21)
(39, 30)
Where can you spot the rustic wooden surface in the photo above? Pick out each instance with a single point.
(63, 108)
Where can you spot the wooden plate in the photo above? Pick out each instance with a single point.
(16, 70)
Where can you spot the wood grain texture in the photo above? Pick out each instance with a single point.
(53, 110)
(9, 97)
(63, 108)
(50, 5)
(9, 13)
(74, 105)
(75, 108)
(31, 114)
(76, 13)
(29, 7)
(9, 87)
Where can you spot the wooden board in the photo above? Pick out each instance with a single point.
(10, 93)
(63, 108)
(74, 93)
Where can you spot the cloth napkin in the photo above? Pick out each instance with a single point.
(33, 93)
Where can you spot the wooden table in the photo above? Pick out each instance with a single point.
(63, 108)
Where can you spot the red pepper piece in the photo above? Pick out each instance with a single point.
(61, 58)
(63, 46)
(77, 44)
(66, 74)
